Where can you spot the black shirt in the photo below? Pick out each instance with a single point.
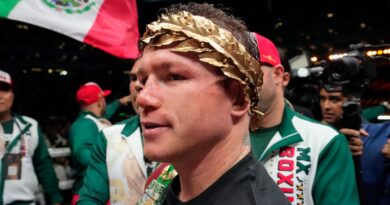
(245, 183)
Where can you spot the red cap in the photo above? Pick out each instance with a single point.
(267, 51)
(90, 93)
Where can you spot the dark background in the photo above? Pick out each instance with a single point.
(29, 52)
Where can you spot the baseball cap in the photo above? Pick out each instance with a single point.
(90, 93)
(267, 51)
(5, 78)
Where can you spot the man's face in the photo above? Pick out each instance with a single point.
(103, 106)
(268, 93)
(183, 106)
(132, 85)
(6, 99)
(274, 81)
(331, 106)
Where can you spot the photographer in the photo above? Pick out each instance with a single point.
(331, 103)
(342, 84)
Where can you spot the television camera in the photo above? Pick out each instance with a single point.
(349, 74)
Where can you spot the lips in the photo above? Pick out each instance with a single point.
(152, 125)
(327, 115)
(153, 129)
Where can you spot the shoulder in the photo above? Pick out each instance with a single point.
(376, 127)
(26, 120)
(309, 128)
(113, 129)
(83, 120)
(131, 120)
(318, 136)
(125, 127)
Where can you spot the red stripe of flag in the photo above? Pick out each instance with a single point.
(115, 29)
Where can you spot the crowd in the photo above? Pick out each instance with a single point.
(212, 126)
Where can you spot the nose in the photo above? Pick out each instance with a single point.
(147, 99)
(327, 105)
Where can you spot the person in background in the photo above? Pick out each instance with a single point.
(84, 130)
(308, 160)
(198, 97)
(368, 145)
(25, 160)
(118, 170)
(331, 104)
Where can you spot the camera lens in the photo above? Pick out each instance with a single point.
(343, 70)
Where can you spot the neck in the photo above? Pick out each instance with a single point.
(199, 174)
(93, 108)
(274, 115)
(5, 117)
(336, 124)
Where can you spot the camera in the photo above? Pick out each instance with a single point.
(349, 74)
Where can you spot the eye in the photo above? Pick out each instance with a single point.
(133, 77)
(335, 100)
(176, 77)
(142, 80)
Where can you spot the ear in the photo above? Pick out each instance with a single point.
(240, 104)
(286, 79)
(100, 101)
(279, 74)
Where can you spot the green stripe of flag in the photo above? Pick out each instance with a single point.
(6, 7)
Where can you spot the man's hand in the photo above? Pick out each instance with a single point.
(355, 143)
(125, 100)
(386, 149)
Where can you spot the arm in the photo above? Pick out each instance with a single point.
(45, 172)
(95, 189)
(111, 109)
(81, 137)
(114, 106)
(335, 181)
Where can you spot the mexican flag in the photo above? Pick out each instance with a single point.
(111, 25)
